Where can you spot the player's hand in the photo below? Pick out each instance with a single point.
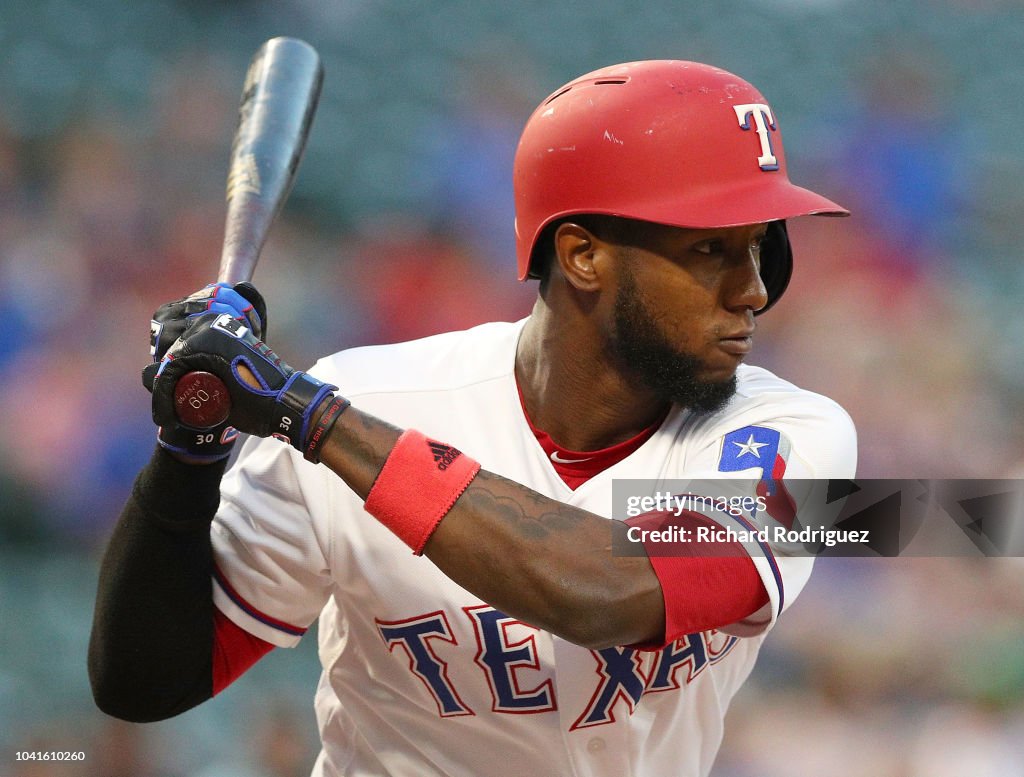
(244, 303)
(170, 320)
(195, 445)
(282, 405)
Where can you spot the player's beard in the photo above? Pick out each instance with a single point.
(639, 346)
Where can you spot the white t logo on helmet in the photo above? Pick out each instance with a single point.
(763, 122)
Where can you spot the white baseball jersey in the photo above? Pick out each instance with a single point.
(422, 678)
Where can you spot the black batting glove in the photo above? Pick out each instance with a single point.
(281, 406)
(243, 303)
(206, 445)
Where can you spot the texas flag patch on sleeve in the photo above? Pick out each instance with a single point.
(758, 447)
(754, 447)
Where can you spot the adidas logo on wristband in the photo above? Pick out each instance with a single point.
(444, 455)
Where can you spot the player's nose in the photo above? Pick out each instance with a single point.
(744, 287)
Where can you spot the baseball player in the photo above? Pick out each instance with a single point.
(444, 506)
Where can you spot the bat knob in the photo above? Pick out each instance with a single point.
(201, 400)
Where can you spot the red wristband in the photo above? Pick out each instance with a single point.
(417, 486)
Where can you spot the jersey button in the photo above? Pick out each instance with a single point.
(596, 745)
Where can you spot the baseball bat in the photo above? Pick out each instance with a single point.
(279, 97)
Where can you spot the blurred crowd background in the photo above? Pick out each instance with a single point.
(115, 122)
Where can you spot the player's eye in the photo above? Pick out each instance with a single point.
(709, 247)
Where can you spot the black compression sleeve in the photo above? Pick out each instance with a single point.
(150, 653)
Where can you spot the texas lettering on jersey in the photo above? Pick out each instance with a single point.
(622, 675)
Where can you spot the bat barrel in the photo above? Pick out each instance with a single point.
(282, 87)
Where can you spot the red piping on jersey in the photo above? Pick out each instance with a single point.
(234, 649)
(238, 599)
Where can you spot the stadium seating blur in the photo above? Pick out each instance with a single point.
(115, 120)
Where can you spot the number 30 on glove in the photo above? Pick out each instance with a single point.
(282, 403)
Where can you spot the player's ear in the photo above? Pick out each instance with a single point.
(579, 254)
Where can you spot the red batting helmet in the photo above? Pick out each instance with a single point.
(676, 143)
